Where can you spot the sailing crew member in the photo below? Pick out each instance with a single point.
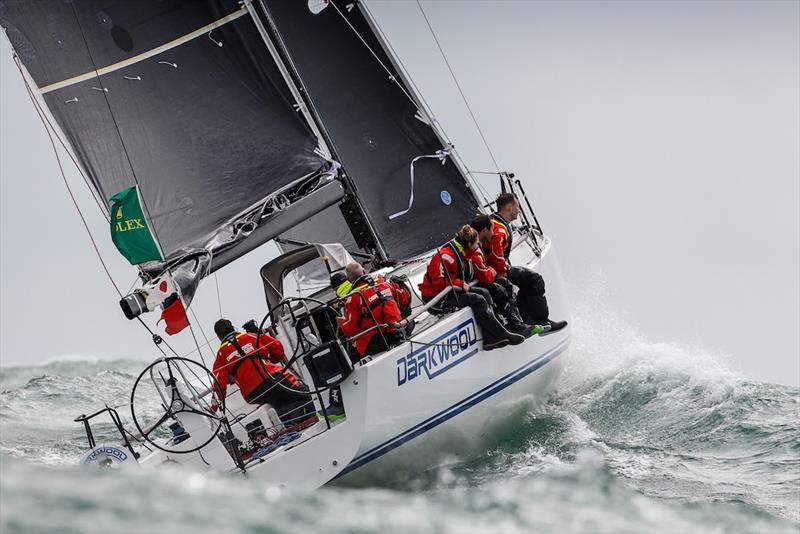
(499, 287)
(260, 376)
(373, 301)
(451, 266)
(531, 299)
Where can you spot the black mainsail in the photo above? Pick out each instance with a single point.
(179, 97)
(240, 121)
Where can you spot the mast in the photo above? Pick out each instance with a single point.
(352, 209)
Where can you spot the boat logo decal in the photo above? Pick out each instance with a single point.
(104, 454)
(446, 198)
(440, 355)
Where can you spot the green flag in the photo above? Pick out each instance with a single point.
(129, 230)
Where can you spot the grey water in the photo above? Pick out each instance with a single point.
(639, 437)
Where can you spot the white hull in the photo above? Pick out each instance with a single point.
(413, 405)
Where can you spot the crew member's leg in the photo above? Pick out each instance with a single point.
(297, 407)
(505, 304)
(531, 300)
(494, 334)
(289, 401)
(382, 341)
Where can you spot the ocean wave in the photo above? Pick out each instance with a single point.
(584, 496)
(640, 436)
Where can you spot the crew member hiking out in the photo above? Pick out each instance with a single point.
(450, 266)
(505, 302)
(260, 376)
(371, 303)
(531, 300)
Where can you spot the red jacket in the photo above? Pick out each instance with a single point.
(401, 297)
(499, 247)
(448, 266)
(483, 272)
(371, 297)
(249, 374)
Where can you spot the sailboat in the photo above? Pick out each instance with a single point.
(231, 124)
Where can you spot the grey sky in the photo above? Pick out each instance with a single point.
(660, 143)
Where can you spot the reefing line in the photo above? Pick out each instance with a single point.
(145, 55)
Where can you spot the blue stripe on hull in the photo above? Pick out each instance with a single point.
(455, 409)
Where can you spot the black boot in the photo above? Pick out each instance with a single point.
(335, 409)
(514, 338)
(556, 325)
(494, 343)
(514, 322)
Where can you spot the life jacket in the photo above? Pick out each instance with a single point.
(497, 218)
(485, 273)
(371, 302)
(499, 248)
(237, 360)
(402, 295)
(440, 273)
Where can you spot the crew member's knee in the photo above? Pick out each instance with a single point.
(477, 302)
(537, 283)
(528, 280)
(482, 293)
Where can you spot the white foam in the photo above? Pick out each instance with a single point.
(606, 343)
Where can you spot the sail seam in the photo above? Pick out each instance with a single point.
(144, 55)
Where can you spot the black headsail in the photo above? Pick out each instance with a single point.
(183, 99)
(374, 129)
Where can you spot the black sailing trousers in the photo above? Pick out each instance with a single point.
(291, 403)
(531, 301)
(480, 300)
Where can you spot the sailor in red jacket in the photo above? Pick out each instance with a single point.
(531, 300)
(372, 301)
(499, 287)
(454, 265)
(261, 377)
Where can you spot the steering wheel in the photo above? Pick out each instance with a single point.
(299, 323)
(179, 374)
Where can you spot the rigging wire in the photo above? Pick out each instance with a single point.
(47, 126)
(202, 331)
(196, 343)
(458, 85)
(103, 209)
(392, 76)
(426, 109)
(116, 127)
(219, 299)
(136, 181)
(45, 123)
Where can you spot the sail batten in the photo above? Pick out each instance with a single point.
(145, 55)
